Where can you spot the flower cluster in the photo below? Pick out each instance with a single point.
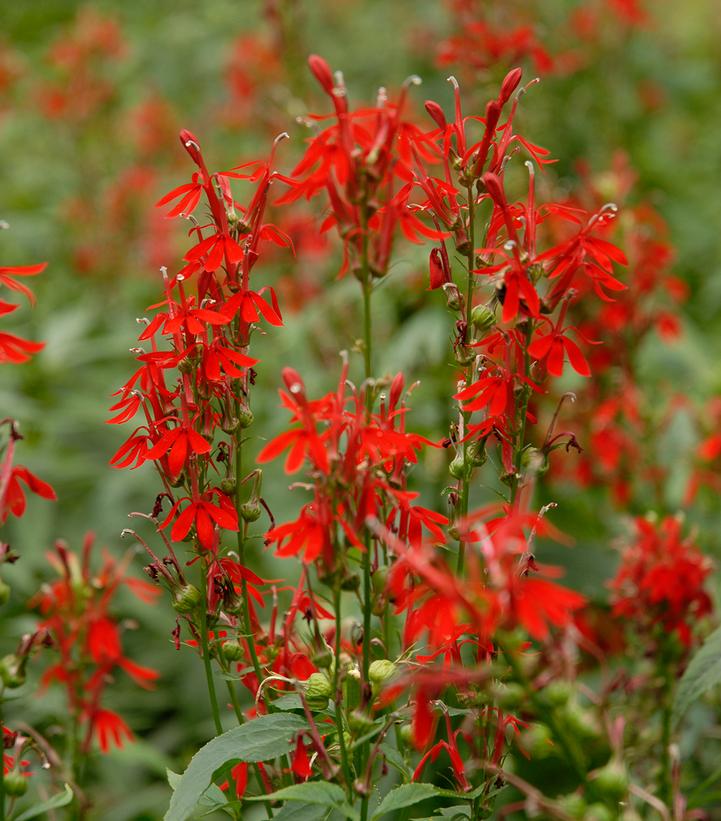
(661, 581)
(77, 620)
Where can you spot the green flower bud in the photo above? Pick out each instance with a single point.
(15, 783)
(228, 485)
(360, 722)
(187, 599)
(599, 812)
(406, 734)
(250, 511)
(459, 468)
(317, 691)
(232, 651)
(612, 781)
(230, 425)
(509, 696)
(483, 318)
(381, 671)
(12, 672)
(323, 659)
(557, 693)
(537, 740)
(245, 417)
(573, 805)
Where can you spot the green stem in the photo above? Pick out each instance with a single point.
(205, 644)
(465, 482)
(245, 607)
(338, 689)
(367, 593)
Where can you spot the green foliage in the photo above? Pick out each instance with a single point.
(702, 673)
(264, 738)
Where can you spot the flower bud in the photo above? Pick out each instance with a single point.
(360, 722)
(317, 691)
(230, 425)
(599, 812)
(228, 485)
(190, 143)
(557, 693)
(454, 299)
(381, 671)
(232, 651)
(509, 85)
(322, 73)
(245, 416)
(15, 783)
(537, 740)
(483, 318)
(611, 781)
(12, 672)
(476, 453)
(250, 511)
(436, 113)
(459, 468)
(187, 599)
(573, 805)
(323, 659)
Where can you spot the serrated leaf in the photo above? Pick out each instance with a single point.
(290, 701)
(702, 673)
(316, 793)
(60, 800)
(404, 796)
(292, 811)
(261, 739)
(310, 792)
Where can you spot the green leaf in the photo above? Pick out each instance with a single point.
(404, 796)
(261, 739)
(316, 793)
(310, 792)
(299, 812)
(703, 673)
(60, 800)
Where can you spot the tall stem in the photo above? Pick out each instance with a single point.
(245, 607)
(465, 482)
(367, 593)
(338, 688)
(205, 644)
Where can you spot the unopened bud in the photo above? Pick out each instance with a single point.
(483, 318)
(250, 511)
(436, 113)
(245, 416)
(187, 599)
(454, 299)
(12, 672)
(228, 485)
(381, 671)
(232, 651)
(15, 783)
(317, 691)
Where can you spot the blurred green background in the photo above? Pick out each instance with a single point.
(91, 98)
